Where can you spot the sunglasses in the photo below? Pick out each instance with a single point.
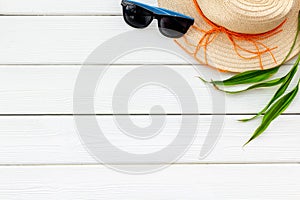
(171, 24)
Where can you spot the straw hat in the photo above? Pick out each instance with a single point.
(239, 35)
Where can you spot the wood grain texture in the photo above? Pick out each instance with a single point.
(65, 7)
(70, 40)
(50, 90)
(55, 140)
(177, 182)
(41, 57)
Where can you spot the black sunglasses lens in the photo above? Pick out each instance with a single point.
(136, 16)
(174, 27)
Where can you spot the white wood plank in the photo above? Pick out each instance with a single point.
(246, 182)
(55, 140)
(50, 89)
(63, 7)
(69, 40)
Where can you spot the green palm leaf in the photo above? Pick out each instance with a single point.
(277, 109)
(285, 84)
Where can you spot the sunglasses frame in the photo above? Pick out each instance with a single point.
(157, 13)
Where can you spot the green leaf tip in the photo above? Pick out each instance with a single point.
(275, 111)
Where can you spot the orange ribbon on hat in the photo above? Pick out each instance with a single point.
(254, 39)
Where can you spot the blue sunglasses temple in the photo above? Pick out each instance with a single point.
(159, 11)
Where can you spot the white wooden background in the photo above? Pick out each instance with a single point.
(43, 43)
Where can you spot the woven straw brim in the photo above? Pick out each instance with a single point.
(221, 54)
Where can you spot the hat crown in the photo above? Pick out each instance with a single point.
(247, 16)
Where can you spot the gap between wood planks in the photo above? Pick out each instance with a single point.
(153, 164)
(62, 15)
(172, 114)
